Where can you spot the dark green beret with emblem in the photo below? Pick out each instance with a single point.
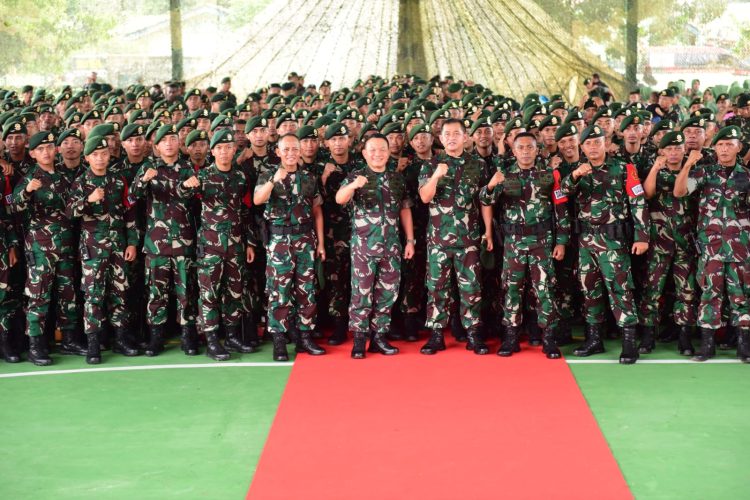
(91, 115)
(14, 127)
(391, 128)
(164, 131)
(632, 119)
(603, 112)
(662, 125)
(515, 123)
(727, 133)
(592, 132)
(479, 123)
(307, 132)
(336, 129)
(419, 129)
(550, 121)
(221, 121)
(132, 130)
(187, 122)
(195, 136)
(45, 137)
(667, 92)
(69, 132)
(565, 130)
(200, 113)
(93, 143)
(225, 135)
(573, 116)
(289, 117)
(103, 129)
(255, 122)
(672, 139)
(694, 121)
(323, 121)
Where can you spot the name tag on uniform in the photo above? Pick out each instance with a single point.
(637, 190)
(8, 199)
(558, 194)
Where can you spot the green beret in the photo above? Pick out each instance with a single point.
(74, 118)
(62, 97)
(187, 122)
(307, 132)
(14, 127)
(440, 114)
(91, 115)
(289, 117)
(270, 114)
(69, 132)
(323, 121)
(662, 125)
(226, 79)
(252, 97)
(514, 124)
(632, 119)
(336, 129)
(417, 114)
(255, 122)
(40, 138)
(112, 111)
(454, 87)
(224, 135)
(500, 115)
(211, 89)
(195, 136)
(480, 123)
(103, 129)
(391, 128)
(573, 116)
(164, 131)
(694, 121)
(419, 129)
(622, 112)
(646, 115)
(200, 113)
(368, 127)
(591, 132)
(556, 105)
(132, 130)
(565, 130)
(731, 132)
(221, 121)
(193, 92)
(550, 121)
(672, 139)
(602, 113)
(93, 143)
(667, 93)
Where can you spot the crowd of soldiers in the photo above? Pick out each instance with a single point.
(382, 210)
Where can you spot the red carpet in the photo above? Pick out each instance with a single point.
(450, 426)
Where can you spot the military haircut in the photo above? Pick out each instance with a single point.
(451, 121)
(374, 136)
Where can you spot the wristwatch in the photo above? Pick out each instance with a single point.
(413, 242)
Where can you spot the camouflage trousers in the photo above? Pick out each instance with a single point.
(465, 263)
(48, 271)
(717, 279)
(681, 264)
(535, 265)
(567, 293)
(606, 274)
(291, 283)
(165, 273)
(338, 272)
(413, 272)
(375, 284)
(104, 284)
(220, 283)
(6, 304)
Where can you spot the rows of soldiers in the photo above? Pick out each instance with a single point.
(382, 210)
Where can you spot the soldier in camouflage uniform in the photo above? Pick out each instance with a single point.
(295, 226)
(379, 200)
(41, 197)
(107, 243)
(607, 191)
(450, 183)
(536, 228)
(8, 258)
(723, 239)
(225, 242)
(168, 241)
(672, 247)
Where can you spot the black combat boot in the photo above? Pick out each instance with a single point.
(308, 345)
(233, 342)
(534, 332)
(684, 345)
(593, 343)
(360, 342)
(94, 351)
(156, 342)
(708, 345)
(411, 327)
(475, 343)
(629, 354)
(648, 340)
(250, 330)
(340, 332)
(214, 349)
(457, 329)
(743, 344)
(9, 353)
(125, 346)
(38, 351)
(434, 344)
(510, 342)
(729, 341)
(378, 343)
(279, 347)
(71, 343)
(549, 344)
(563, 334)
(189, 340)
(396, 331)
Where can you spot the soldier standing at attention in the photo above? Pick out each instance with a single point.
(293, 209)
(379, 200)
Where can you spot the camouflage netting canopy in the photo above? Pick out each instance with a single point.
(512, 46)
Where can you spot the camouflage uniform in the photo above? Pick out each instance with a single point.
(49, 249)
(453, 239)
(168, 239)
(375, 248)
(290, 270)
(414, 270)
(107, 227)
(567, 291)
(224, 232)
(8, 240)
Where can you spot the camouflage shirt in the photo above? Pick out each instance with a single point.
(672, 218)
(454, 211)
(376, 209)
(420, 212)
(292, 199)
(723, 211)
(8, 236)
(169, 225)
(108, 225)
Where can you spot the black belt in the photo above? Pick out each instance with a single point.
(528, 229)
(290, 230)
(613, 230)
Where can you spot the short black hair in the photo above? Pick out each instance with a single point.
(374, 136)
(287, 135)
(521, 135)
(451, 121)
